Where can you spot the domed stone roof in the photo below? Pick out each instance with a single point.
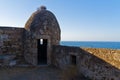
(41, 18)
(43, 22)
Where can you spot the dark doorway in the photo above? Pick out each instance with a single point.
(42, 51)
(73, 59)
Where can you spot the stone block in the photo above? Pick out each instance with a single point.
(12, 63)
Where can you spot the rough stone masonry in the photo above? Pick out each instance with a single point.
(24, 43)
(38, 43)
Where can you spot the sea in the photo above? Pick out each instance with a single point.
(92, 44)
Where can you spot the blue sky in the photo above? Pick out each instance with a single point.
(80, 20)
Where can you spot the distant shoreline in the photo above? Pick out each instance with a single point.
(92, 44)
(90, 41)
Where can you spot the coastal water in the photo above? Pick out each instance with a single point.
(91, 44)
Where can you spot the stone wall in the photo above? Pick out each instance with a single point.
(11, 42)
(97, 64)
(41, 25)
(31, 47)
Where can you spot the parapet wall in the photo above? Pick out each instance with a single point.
(11, 41)
(97, 64)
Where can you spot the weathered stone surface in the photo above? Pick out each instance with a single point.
(41, 25)
(7, 60)
(97, 64)
(43, 22)
(18, 45)
(13, 63)
(23, 43)
(11, 41)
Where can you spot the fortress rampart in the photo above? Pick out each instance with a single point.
(95, 63)
(38, 44)
(11, 43)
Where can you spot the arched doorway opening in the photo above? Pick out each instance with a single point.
(42, 51)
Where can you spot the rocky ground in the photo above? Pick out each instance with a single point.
(33, 73)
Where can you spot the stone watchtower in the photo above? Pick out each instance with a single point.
(42, 31)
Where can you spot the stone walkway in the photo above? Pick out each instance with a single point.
(41, 73)
(34, 73)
